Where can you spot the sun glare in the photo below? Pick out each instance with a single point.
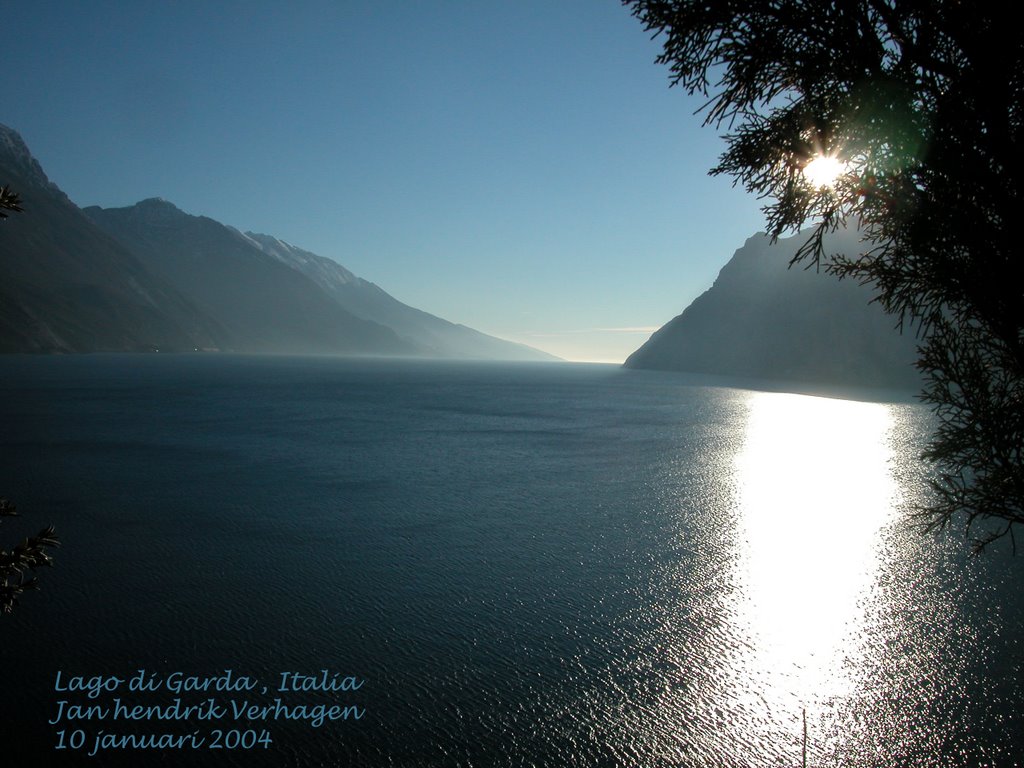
(823, 170)
(815, 489)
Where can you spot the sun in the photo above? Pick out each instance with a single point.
(823, 170)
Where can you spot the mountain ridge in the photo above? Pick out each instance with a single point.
(762, 319)
(263, 305)
(65, 286)
(152, 277)
(439, 337)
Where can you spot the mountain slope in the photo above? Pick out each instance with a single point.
(66, 286)
(761, 319)
(150, 276)
(435, 336)
(263, 304)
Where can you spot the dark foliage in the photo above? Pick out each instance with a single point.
(9, 201)
(17, 564)
(922, 102)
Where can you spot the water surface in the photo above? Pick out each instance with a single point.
(527, 564)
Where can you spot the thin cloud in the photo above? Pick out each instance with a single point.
(626, 329)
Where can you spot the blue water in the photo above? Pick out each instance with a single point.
(525, 564)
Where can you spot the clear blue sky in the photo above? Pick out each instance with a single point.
(521, 167)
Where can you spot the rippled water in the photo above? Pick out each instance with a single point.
(528, 565)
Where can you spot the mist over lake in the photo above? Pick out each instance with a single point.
(509, 564)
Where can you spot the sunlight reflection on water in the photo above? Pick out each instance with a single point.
(796, 586)
(821, 600)
(815, 490)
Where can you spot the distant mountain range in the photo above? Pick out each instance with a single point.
(151, 277)
(365, 299)
(761, 319)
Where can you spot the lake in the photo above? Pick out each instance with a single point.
(471, 564)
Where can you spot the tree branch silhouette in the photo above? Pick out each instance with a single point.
(17, 564)
(922, 103)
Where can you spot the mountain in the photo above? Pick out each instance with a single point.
(761, 319)
(66, 286)
(263, 304)
(151, 277)
(432, 335)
